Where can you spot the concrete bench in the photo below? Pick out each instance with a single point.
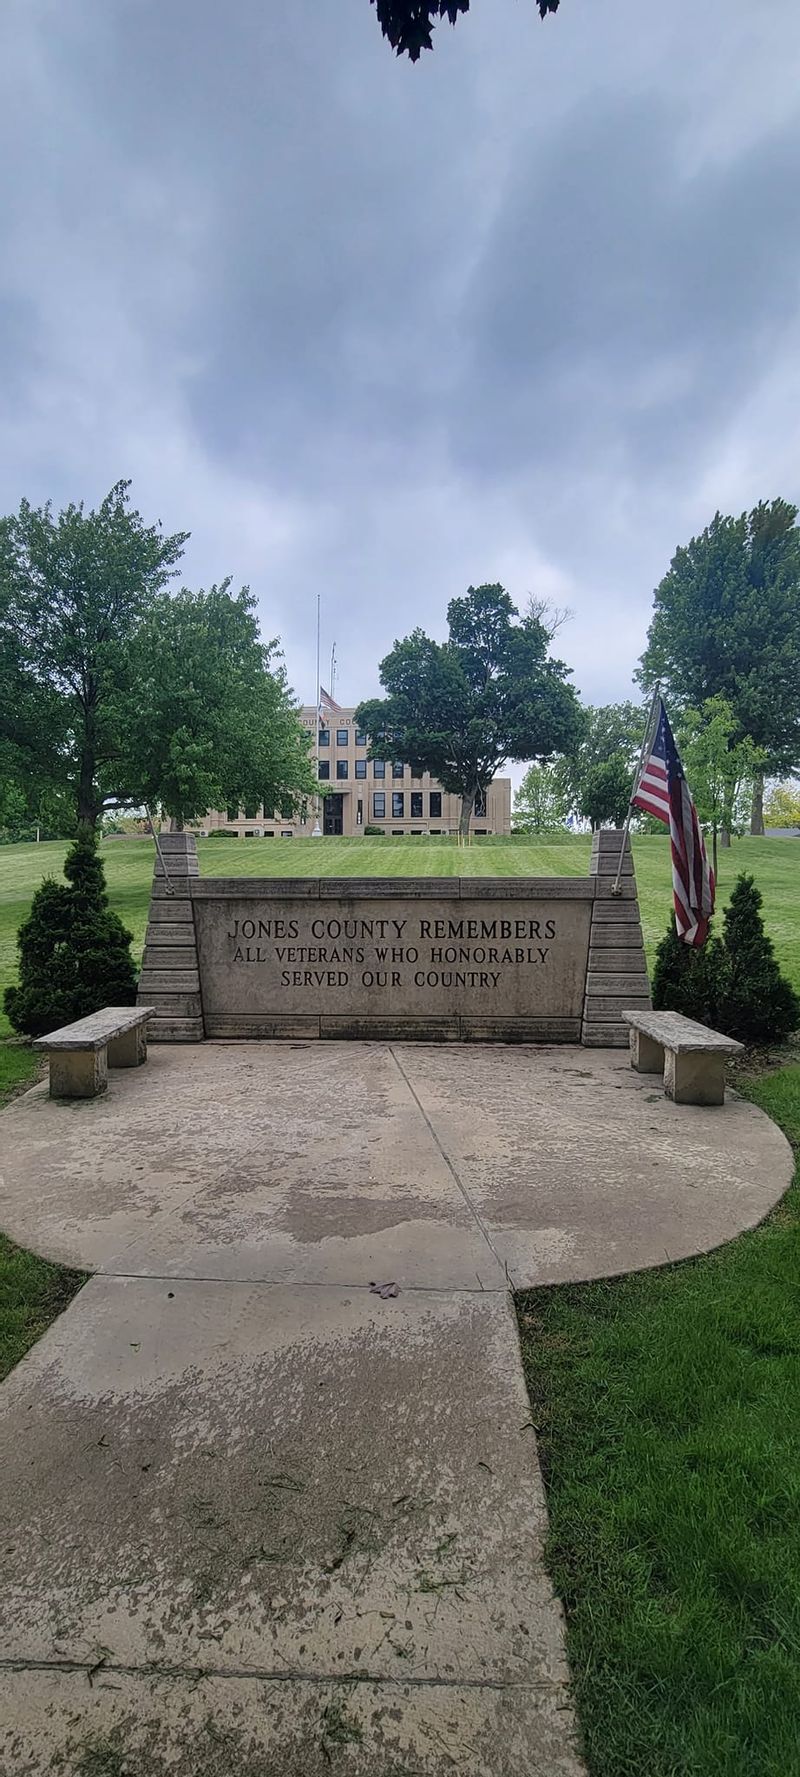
(80, 1054)
(691, 1057)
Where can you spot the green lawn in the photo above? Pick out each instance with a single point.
(18, 1069)
(774, 862)
(668, 1411)
(32, 1293)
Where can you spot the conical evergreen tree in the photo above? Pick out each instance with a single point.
(757, 1003)
(74, 953)
(734, 984)
(687, 980)
(83, 868)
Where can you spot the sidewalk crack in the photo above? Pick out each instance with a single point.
(460, 1186)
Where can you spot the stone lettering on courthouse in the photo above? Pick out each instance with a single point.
(282, 958)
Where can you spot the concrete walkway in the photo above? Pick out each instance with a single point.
(257, 1518)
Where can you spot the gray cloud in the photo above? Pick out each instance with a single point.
(623, 302)
(526, 311)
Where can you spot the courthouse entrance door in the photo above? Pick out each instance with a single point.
(332, 814)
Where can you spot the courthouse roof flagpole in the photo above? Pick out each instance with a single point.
(317, 832)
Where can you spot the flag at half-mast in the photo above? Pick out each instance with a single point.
(662, 790)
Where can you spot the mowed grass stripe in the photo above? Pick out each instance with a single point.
(775, 863)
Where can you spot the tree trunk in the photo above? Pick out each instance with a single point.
(88, 809)
(714, 850)
(89, 805)
(757, 809)
(467, 805)
(725, 838)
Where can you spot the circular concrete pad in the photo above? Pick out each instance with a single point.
(339, 1163)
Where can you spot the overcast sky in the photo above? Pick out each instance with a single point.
(525, 311)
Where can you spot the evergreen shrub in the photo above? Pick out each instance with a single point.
(758, 1004)
(732, 984)
(74, 953)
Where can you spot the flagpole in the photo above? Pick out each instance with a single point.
(646, 737)
(317, 834)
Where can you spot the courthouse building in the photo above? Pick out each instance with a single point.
(365, 792)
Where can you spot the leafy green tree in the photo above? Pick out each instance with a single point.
(462, 708)
(726, 624)
(605, 792)
(609, 746)
(408, 24)
(13, 811)
(74, 953)
(783, 806)
(117, 692)
(543, 799)
(31, 724)
(73, 591)
(26, 811)
(214, 724)
(610, 729)
(719, 768)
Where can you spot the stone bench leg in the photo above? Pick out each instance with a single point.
(695, 1078)
(78, 1073)
(129, 1049)
(646, 1056)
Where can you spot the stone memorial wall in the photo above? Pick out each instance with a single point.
(545, 959)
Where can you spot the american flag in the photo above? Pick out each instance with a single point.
(662, 790)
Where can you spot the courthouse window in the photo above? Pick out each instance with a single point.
(341, 768)
(398, 805)
(361, 768)
(379, 767)
(435, 810)
(379, 804)
(398, 768)
(324, 737)
(324, 768)
(342, 737)
(416, 805)
(361, 739)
